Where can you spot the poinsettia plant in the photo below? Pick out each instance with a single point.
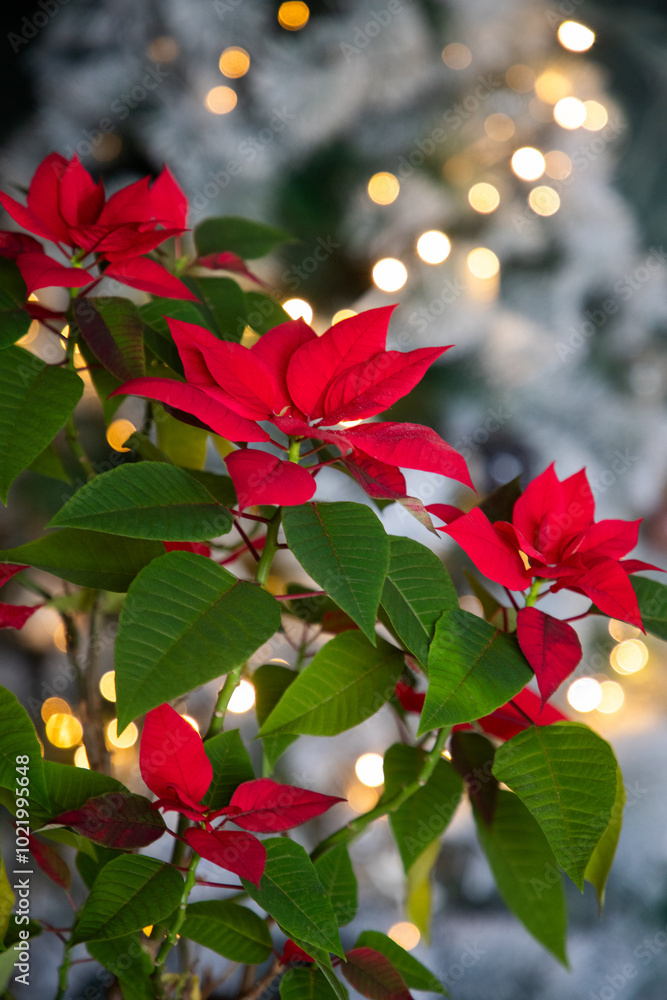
(243, 409)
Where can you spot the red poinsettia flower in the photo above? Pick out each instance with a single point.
(175, 767)
(14, 615)
(308, 388)
(66, 207)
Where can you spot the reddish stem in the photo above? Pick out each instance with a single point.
(251, 548)
(307, 593)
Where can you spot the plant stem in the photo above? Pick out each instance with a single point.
(263, 984)
(270, 548)
(172, 933)
(91, 706)
(226, 691)
(533, 592)
(358, 825)
(64, 970)
(72, 436)
(294, 449)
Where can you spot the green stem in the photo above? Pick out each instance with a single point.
(179, 919)
(294, 449)
(270, 548)
(72, 437)
(533, 592)
(358, 825)
(64, 970)
(226, 691)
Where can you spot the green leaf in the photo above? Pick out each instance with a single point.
(565, 774)
(263, 312)
(103, 382)
(157, 334)
(416, 975)
(221, 487)
(307, 984)
(113, 329)
(472, 756)
(14, 317)
(186, 620)
(473, 669)
(48, 463)
(347, 682)
(652, 599)
(87, 558)
(345, 549)
(182, 443)
(293, 894)
(244, 237)
(335, 872)
(35, 401)
(270, 682)
(130, 892)
(423, 817)
(224, 305)
(525, 871)
(599, 866)
(91, 859)
(231, 767)
(417, 590)
(420, 890)
(499, 505)
(124, 958)
(6, 901)
(147, 500)
(229, 929)
(19, 739)
(70, 787)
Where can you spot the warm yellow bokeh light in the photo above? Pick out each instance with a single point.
(557, 165)
(118, 432)
(121, 741)
(361, 798)
(520, 78)
(446, 754)
(108, 685)
(220, 100)
(552, 86)
(383, 188)
(570, 112)
(596, 116)
(544, 200)
(499, 126)
(456, 55)
(163, 49)
(433, 246)
(629, 656)
(483, 263)
(575, 37)
(528, 163)
(63, 730)
(484, 197)
(234, 62)
(621, 630)
(242, 699)
(54, 705)
(389, 274)
(585, 694)
(370, 769)
(293, 16)
(299, 309)
(405, 934)
(81, 758)
(342, 314)
(471, 604)
(191, 722)
(612, 697)
(60, 637)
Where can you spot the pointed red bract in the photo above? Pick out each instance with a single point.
(233, 850)
(373, 975)
(262, 478)
(608, 586)
(13, 244)
(51, 863)
(551, 647)
(228, 261)
(524, 710)
(149, 276)
(40, 271)
(269, 807)
(292, 953)
(489, 552)
(172, 759)
(411, 700)
(16, 615)
(410, 446)
(120, 820)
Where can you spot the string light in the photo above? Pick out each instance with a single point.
(118, 432)
(570, 112)
(433, 246)
(123, 740)
(63, 730)
(108, 685)
(551, 86)
(242, 699)
(163, 49)
(520, 78)
(484, 197)
(60, 637)
(544, 200)
(81, 758)
(528, 163)
(613, 697)
(293, 16)
(629, 656)
(220, 100)
(299, 309)
(234, 62)
(54, 705)
(585, 694)
(575, 37)
(383, 188)
(369, 769)
(361, 798)
(389, 274)
(191, 722)
(557, 165)
(621, 630)
(483, 263)
(596, 116)
(499, 127)
(406, 934)
(456, 55)
(342, 314)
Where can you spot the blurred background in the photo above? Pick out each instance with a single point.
(497, 168)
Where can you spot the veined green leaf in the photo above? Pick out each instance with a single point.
(244, 237)
(231, 767)
(335, 872)
(125, 958)
(345, 549)
(182, 443)
(652, 600)
(70, 787)
(229, 929)
(270, 682)
(565, 774)
(186, 620)
(346, 682)
(113, 330)
(18, 739)
(416, 975)
(308, 984)
(599, 866)
(420, 891)
(263, 312)
(223, 303)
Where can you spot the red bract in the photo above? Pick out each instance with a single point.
(551, 647)
(233, 850)
(172, 759)
(66, 207)
(553, 537)
(307, 387)
(268, 807)
(14, 615)
(524, 710)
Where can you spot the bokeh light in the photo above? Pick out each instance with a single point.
(63, 730)
(551, 86)
(621, 630)
(499, 126)
(596, 116)
(361, 798)
(570, 112)
(585, 694)
(389, 274)
(220, 100)
(483, 263)
(612, 697)
(342, 314)
(557, 165)
(108, 685)
(433, 246)
(118, 432)
(544, 200)
(456, 55)
(191, 722)
(383, 188)
(369, 769)
(242, 699)
(520, 78)
(234, 62)
(299, 309)
(121, 741)
(575, 37)
(629, 656)
(293, 16)
(484, 197)
(163, 49)
(81, 758)
(528, 163)
(54, 705)
(406, 934)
